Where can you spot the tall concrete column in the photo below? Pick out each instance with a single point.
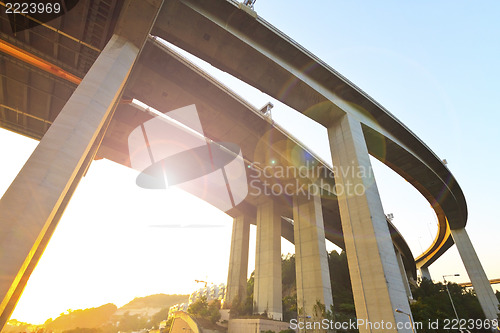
(403, 274)
(311, 259)
(481, 284)
(376, 280)
(238, 260)
(267, 286)
(424, 273)
(36, 199)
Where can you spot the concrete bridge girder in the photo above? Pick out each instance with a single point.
(376, 279)
(311, 257)
(236, 287)
(267, 295)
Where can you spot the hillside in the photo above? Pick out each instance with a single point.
(139, 313)
(150, 305)
(88, 318)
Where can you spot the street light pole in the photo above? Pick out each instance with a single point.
(409, 316)
(449, 295)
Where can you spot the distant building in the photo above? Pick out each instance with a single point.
(210, 292)
(177, 307)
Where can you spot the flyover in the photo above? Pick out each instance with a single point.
(469, 284)
(232, 37)
(192, 85)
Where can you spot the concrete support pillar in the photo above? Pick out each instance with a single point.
(481, 284)
(424, 273)
(311, 259)
(267, 286)
(36, 199)
(403, 274)
(238, 260)
(375, 276)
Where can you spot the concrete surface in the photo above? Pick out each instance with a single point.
(375, 276)
(267, 286)
(478, 278)
(238, 260)
(311, 258)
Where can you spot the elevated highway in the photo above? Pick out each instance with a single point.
(33, 95)
(42, 67)
(469, 284)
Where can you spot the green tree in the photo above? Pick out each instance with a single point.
(242, 306)
(431, 300)
(289, 307)
(343, 309)
(432, 303)
(288, 275)
(201, 308)
(288, 270)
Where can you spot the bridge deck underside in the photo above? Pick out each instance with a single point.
(31, 98)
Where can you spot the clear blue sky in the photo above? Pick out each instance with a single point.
(434, 65)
